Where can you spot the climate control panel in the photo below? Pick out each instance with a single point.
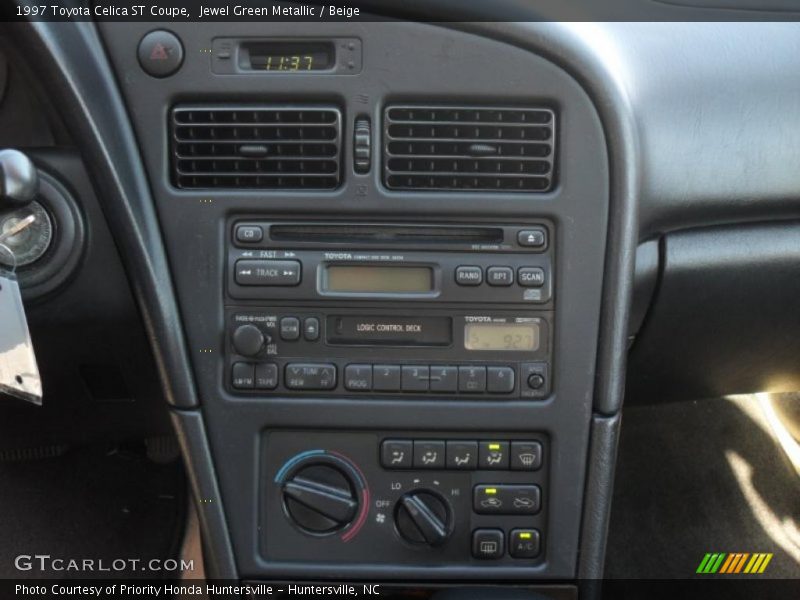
(463, 498)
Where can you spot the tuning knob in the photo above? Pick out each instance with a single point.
(423, 517)
(320, 498)
(248, 340)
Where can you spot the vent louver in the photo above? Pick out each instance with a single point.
(256, 147)
(469, 148)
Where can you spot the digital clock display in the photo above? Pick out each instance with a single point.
(290, 57)
(501, 336)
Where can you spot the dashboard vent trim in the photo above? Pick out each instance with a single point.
(469, 148)
(256, 147)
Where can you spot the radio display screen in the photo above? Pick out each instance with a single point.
(501, 336)
(374, 279)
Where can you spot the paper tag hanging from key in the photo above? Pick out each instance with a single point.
(19, 373)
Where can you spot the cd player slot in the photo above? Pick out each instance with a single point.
(385, 234)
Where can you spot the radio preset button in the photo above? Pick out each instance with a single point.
(267, 272)
(500, 380)
(530, 276)
(243, 375)
(469, 275)
(310, 376)
(500, 276)
(266, 376)
(444, 379)
(386, 378)
(290, 328)
(493, 455)
(532, 238)
(415, 378)
(472, 380)
(358, 378)
(249, 233)
(311, 329)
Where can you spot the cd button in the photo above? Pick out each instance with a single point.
(469, 275)
(500, 276)
(249, 233)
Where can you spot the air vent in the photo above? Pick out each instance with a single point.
(261, 147)
(469, 148)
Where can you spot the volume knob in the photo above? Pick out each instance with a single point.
(248, 340)
(423, 517)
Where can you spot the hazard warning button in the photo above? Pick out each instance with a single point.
(160, 53)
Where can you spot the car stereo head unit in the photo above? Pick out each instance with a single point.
(318, 262)
(351, 309)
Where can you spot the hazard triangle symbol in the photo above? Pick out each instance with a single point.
(159, 52)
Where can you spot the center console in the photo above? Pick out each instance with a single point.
(389, 254)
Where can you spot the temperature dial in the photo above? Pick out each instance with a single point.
(423, 517)
(320, 495)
